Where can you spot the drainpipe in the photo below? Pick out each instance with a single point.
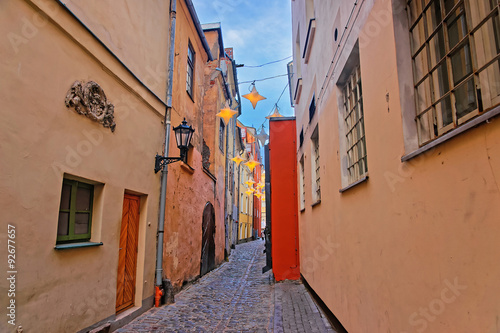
(164, 172)
(226, 182)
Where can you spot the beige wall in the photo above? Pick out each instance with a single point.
(116, 23)
(384, 254)
(42, 141)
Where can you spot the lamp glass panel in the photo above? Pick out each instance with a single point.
(178, 138)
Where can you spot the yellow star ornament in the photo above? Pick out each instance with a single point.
(251, 164)
(249, 182)
(276, 113)
(249, 192)
(237, 160)
(226, 114)
(254, 97)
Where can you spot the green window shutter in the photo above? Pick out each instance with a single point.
(75, 212)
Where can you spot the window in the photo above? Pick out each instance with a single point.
(354, 127)
(190, 70)
(312, 108)
(75, 212)
(455, 50)
(315, 166)
(302, 184)
(301, 137)
(221, 135)
(241, 203)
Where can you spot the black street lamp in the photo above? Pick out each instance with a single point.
(183, 135)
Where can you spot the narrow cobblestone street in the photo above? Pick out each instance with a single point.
(236, 297)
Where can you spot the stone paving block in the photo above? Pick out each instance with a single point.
(236, 297)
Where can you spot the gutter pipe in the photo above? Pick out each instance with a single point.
(164, 172)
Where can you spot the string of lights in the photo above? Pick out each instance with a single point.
(275, 105)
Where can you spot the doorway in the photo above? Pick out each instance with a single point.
(208, 240)
(127, 258)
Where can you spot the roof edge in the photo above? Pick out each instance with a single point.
(197, 24)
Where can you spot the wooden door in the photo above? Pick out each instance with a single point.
(127, 259)
(208, 240)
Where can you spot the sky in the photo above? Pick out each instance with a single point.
(259, 31)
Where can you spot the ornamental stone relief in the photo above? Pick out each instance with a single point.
(88, 99)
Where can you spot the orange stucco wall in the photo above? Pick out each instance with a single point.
(284, 225)
(189, 187)
(413, 249)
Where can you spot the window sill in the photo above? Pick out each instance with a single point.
(209, 174)
(187, 167)
(315, 204)
(309, 40)
(303, 209)
(473, 123)
(362, 180)
(298, 90)
(76, 245)
(187, 92)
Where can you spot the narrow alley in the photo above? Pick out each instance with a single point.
(236, 297)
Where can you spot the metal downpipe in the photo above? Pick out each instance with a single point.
(164, 173)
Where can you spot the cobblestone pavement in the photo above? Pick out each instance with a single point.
(236, 297)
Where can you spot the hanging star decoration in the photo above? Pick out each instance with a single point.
(262, 136)
(275, 114)
(250, 191)
(260, 185)
(254, 96)
(226, 113)
(251, 164)
(250, 182)
(237, 160)
(258, 195)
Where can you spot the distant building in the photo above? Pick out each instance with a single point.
(283, 199)
(249, 203)
(397, 155)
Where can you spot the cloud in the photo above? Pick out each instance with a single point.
(238, 38)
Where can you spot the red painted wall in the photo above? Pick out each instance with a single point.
(284, 206)
(257, 204)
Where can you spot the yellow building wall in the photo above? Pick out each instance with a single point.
(43, 141)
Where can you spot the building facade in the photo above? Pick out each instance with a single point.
(245, 222)
(396, 104)
(90, 113)
(83, 109)
(194, 237)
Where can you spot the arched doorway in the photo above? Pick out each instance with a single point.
(207, 262)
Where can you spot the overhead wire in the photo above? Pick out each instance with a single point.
(267, 63)
(263, 79)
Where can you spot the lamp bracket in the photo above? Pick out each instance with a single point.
(161, 162)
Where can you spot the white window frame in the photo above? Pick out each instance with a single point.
(315, 166)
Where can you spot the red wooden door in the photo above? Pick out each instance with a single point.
(127, 259)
